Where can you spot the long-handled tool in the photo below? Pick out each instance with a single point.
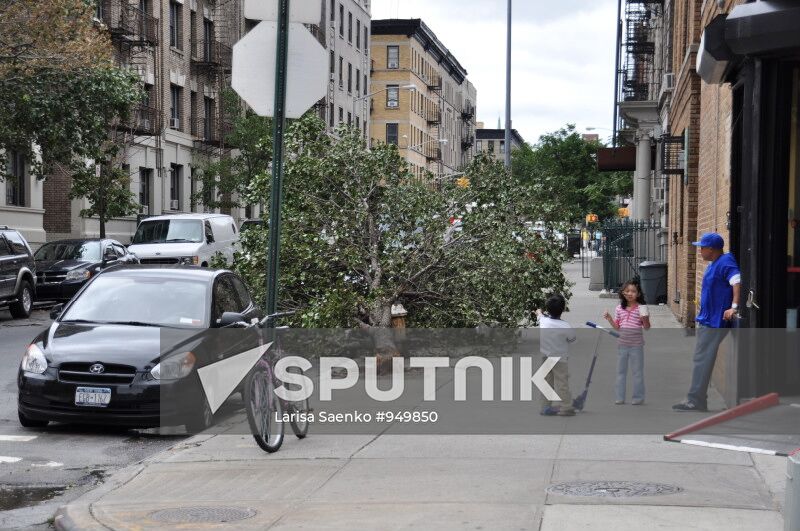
(580, 401)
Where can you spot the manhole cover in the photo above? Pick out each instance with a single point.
(612, 489)
(197, 515)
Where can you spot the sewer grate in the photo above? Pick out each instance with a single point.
(612, 489)
(197, 515)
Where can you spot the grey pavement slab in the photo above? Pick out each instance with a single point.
(773, 472)
(403, 480)
(703, 485)
(637, 518)
(462, 447)
(423, 516)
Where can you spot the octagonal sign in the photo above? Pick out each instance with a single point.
(253, 75)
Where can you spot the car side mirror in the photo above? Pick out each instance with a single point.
(55, 311)
(232, 319)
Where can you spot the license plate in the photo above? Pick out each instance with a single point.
(92, 396)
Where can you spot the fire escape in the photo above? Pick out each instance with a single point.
(135, 36)
(211, 61)
(467, 126)
(433, 151)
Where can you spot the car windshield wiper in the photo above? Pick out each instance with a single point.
(130, 323)
(78, 321)
(180, 240)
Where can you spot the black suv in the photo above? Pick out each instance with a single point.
(17, 273)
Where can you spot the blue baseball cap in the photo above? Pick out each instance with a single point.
(710, 239)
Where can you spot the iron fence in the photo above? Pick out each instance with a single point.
(626, 244)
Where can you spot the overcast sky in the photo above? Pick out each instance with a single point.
(562, 57)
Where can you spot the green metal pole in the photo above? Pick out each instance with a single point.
(279, 122)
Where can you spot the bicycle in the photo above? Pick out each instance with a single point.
(265, 408)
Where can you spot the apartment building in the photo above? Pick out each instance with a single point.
(182, 52)
(345, 32)
(423, 101)
(493, 142)
(21, 201)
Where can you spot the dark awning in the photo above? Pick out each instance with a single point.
(763, 27)
(714, 56)
(616, 159)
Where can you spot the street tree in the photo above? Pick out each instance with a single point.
(60, 92)
(562, 168)
(360, 234)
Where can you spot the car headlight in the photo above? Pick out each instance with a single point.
(190, 260)
(34, 360)
(79, 274)
(174, 367)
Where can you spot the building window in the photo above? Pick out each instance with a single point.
(366, 40)
(176, 96)
(331, 117)
(358, 34)
(208, 118)
(393, 57)
(341, 72)
(145, 179)
(350, 28)
(193, 190)
(208, 40)
(393, 96)
(175, 23)
(349, 118)
(491, 146)
(366, 91)
(479, 145)
(175, 178)
(391, 134)
(341, 20)
(333, 64)
(349, 78)
(358, 123)
(502, 146)
(358, 82)
(341, 116)
(15, 185)
(333, 10)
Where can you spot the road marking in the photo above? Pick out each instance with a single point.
(51, 464)
(17, 438)
(4, 459)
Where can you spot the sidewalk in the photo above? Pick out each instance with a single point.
(547, 482)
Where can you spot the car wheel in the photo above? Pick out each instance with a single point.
(28, 422)
(200, 420)
(21, 309)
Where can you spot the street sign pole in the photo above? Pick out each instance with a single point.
(279, 121)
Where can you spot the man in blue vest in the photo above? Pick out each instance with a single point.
(719, 303)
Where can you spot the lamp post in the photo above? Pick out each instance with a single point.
(508, 90)
(411, 87)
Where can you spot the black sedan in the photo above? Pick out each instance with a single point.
(64, 266)
(127, 349)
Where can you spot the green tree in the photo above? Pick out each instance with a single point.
(562, 168)
(60, 92)
(360, 234)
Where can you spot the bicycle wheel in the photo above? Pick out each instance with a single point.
(264, 410)
(298, 419)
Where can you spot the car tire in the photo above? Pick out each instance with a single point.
(28, 422)
(21, 308)
(201, 420)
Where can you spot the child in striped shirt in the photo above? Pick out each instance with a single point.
(630, 317)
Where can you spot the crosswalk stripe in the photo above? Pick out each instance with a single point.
(17, 438)
(4, 459)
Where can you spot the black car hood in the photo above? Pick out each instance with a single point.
(61, 265)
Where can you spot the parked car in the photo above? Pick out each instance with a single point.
(17, 273)
(251, 224)
(191, 239)
(127, 348)
(64, 266)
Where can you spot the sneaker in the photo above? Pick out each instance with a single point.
(549, 411)
(688, 406)
(619, 402)
(637, 401)
(566, 412)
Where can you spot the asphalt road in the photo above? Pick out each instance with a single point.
(41, 469)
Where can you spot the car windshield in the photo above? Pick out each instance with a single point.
(169, 231)
(89, 251)
(141, 300)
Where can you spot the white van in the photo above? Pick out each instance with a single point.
(185, 239)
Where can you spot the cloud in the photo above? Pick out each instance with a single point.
(562, 56)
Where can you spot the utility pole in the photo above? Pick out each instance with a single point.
(276, 195)
(508, 90)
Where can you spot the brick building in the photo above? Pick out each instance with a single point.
(423, 101)
(493, 141)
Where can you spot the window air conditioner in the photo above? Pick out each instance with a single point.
(145, 124)
(669, 81)
(174, 204)
(333, 78)
(393, 104)
(393, 64)
(175, 123)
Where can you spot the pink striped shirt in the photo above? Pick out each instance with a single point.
(629, 321)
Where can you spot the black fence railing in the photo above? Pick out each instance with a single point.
(208, 53)
(126, 21)
(626, 244)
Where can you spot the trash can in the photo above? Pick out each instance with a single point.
(653, 278)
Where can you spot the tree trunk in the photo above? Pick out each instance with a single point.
(383, 335)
